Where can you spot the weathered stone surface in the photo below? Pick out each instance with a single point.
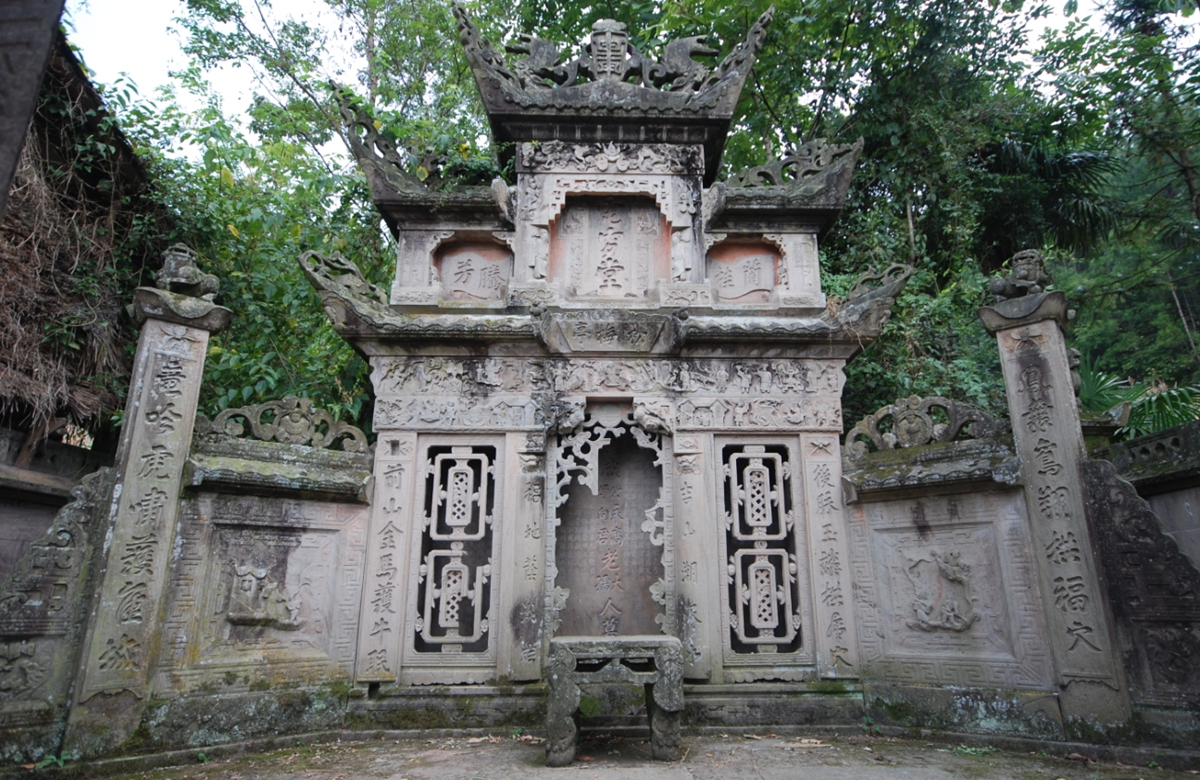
(1049, 444)
(1154, 590)
(946, 591)
(653, 661)
(43, 616)
(265, 591)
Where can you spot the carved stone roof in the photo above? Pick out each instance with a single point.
(809, 184)
(610, 91)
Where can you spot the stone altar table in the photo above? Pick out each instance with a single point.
(654, 661)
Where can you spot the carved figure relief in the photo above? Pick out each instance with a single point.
(20, 673)
(942, 586)
(268, 589)
(257, 600)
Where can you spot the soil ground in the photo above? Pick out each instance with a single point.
(611, 757)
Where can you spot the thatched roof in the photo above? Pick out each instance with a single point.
(70, 257)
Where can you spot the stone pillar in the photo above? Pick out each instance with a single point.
(124, 626)
(1049, 442)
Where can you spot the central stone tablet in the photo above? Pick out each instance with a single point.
(605, 559)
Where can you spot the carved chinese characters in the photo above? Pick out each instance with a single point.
(744, 272)
(609, 544)
(607, 248)
(382, 620)
(155, 441)
(474, 271)
(578, 235)
(837, 644)
(1047, 434)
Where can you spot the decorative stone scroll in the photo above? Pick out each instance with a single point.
(806, 171)
(913, 424)
(291, 420)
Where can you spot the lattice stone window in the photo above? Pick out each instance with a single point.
(763, 598)
(454, 591)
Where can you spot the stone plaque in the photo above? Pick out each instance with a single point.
(605, 559)
(610, 248)
(744, 271)
(474, 270)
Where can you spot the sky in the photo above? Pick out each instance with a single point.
(140, 39)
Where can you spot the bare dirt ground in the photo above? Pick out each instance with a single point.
(608, 757)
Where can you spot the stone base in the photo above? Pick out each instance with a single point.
(1021, 713)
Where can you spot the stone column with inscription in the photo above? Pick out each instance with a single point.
(122, 643)
(1028, 324)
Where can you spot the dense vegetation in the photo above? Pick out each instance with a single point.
(980, 140)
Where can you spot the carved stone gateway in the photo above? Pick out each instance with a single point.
(639, 436)
(608, 404)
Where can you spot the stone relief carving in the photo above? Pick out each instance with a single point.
(451, 597)
(762, 598)
(41, 595)
(257, 600)
(341, 276)
(942, 585)
(913, 424)
(1027, 276)
(625, 242)
(20, 674)
(920, 626)
(266, 588)
(1153, 588)
(611, 157)
(181, 274)
(291, 420)
(722, 377)
(375, 153)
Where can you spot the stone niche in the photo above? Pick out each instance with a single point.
(946, 591)
(266, 589)
(473, 270)
(608, 247)
(745, 271)
(605, 559)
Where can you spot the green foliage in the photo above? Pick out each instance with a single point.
(978, 142)
(251, 208)
(1153, 407)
